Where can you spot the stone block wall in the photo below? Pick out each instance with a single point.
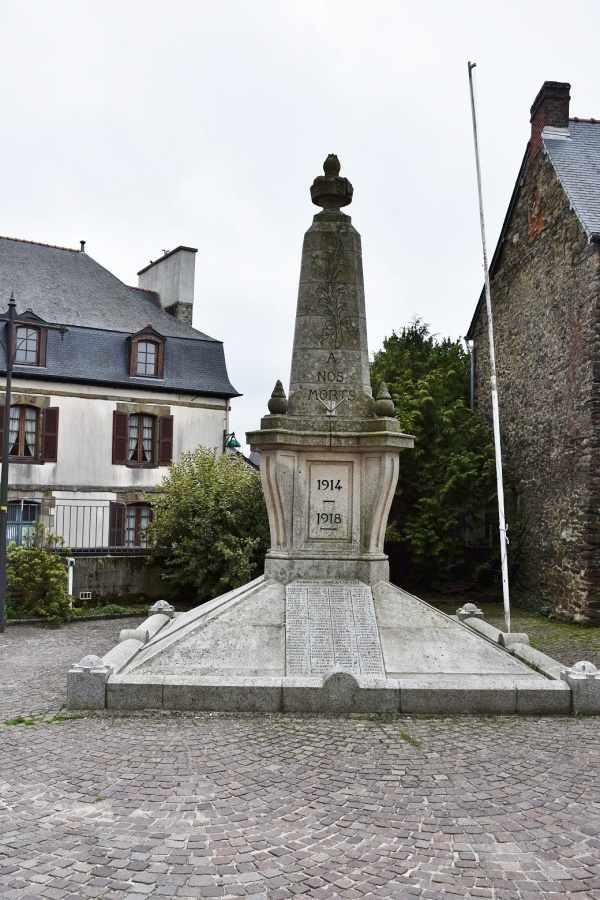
(545, 291)
(117, 579)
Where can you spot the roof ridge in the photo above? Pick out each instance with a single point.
(590, 121)
(134, 287)
(4, 237)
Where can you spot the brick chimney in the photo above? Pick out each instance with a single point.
(172, 277)
(550, 108)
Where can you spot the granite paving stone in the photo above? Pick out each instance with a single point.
(267, 807)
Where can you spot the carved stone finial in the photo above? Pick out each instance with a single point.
(331, 166)
(469, 611)
(329, 190)
(583, 670)
(278, 403)
(162, 607)
(86, 683)
(384, 405)
(584, 680)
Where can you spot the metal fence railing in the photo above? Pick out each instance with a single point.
(87, 528)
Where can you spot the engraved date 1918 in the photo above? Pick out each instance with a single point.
(329, 519)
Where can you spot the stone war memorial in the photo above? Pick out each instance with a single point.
(323, 630)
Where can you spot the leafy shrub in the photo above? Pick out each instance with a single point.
(37, 577)
(210, 527)
(450, 472)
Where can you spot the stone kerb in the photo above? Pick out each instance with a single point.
(136, 634)
(483, 628)
(584, 680)
(341, 692)
(548, 666)
(513, 637)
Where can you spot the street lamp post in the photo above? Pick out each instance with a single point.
(11, 315)
(12, 320)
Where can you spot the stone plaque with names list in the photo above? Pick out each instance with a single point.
(330, 625)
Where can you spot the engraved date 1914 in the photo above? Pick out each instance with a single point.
(329, 484)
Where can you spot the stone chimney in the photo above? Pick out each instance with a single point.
(550, 109)
(172, 277)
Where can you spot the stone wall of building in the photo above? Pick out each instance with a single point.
(118, 579)
(546, 303)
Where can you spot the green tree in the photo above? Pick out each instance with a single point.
(37, 577)
(450, 472)
(210, 528)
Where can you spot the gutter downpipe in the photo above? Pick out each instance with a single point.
(494, 389)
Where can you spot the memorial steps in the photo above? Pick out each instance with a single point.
(328, 647)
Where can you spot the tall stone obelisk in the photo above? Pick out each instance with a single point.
(329, 453)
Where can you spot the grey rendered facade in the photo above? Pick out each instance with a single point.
(99, 412)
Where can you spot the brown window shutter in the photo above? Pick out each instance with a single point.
(165, 440)
(133, 356)
(160, 359)
(117, 525)
(120, 436)
(50, 434)
(42, 338)
(1, 429)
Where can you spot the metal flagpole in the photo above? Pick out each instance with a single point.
(495, 414)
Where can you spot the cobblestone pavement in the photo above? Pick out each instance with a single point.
(273, 806)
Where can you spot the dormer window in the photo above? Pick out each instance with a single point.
(28, 342)
(29, 345)
(147, 358)
(147, 354)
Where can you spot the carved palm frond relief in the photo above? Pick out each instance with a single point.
(332, 293)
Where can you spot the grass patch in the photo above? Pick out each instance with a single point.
(36, 719)
(410, 739)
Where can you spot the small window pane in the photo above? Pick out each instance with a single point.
(15, 419)
(136, 523)
(29, 431)
(147, 439)
(23, 432)
(141, 438)
(26, 352)
(146, 358)
(133, 436)
(21, 515)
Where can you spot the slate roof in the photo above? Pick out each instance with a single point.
(576, 160)
(68, 287)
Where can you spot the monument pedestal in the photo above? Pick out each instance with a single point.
(328, 495)
(322, 630)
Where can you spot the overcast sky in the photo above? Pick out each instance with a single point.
(139, 126)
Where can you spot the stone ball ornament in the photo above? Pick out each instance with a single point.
(384, 405)
(278, 402)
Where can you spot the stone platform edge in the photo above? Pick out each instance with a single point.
(338, 693)
(95, 684)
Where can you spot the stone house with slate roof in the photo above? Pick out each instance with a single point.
(545, 289)
(98, 413)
